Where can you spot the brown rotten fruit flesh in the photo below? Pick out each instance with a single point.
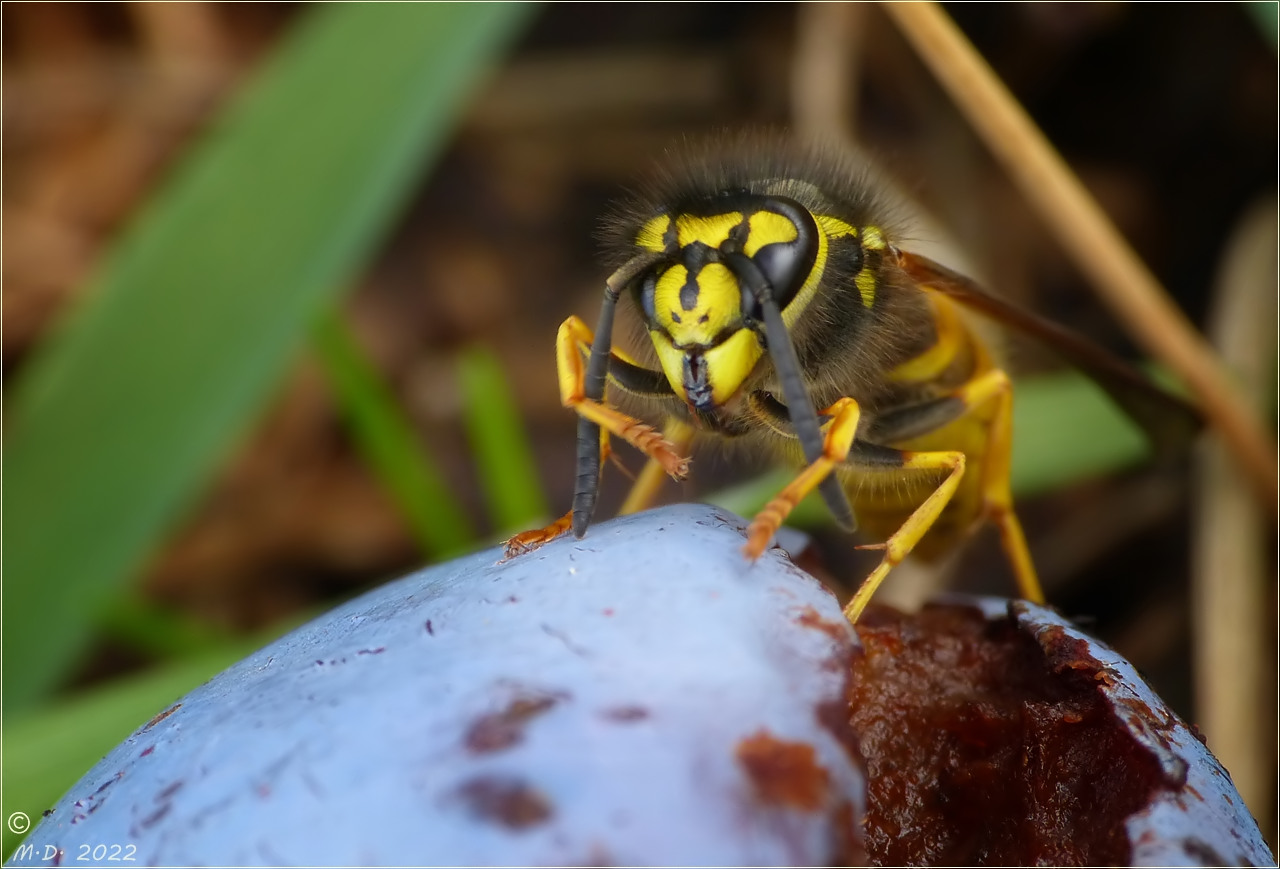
(982, 750)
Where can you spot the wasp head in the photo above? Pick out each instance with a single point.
(702, 302)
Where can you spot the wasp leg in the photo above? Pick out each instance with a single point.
(645, 490)
(527, 541)
(836, 444)
(993, 386)
(902, 541)
(997, 496)
(570, 341)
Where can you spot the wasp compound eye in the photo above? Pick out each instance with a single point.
(648, 291)
(783, 243)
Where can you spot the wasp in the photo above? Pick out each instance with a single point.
(783, 312)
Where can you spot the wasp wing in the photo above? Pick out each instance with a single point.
(1170, 423)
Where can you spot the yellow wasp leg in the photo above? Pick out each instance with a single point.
(997, 497)
(645, 491)
(572, 342)
(835, 449)
(998, 502)
(902, 541)
(526, 541)
(572, 337)
(532, 539)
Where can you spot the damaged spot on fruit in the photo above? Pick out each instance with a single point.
(783, 773)
(626, 714)
(995, 732)
(977, 744)
(162, 716)
(848, 850)
(835, 717)
(837, 630)
(1186, 824)
(508, 801)
(504, 729)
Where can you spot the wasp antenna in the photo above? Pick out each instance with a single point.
(804, 418)
(588, 477)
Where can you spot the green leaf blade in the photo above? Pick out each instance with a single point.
(503, 455)
(389, 444)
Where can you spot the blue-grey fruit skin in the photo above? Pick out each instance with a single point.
(644, 695)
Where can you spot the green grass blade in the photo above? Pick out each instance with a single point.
(499, 445)
(389, 443)
(201, 305)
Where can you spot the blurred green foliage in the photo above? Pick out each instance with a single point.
(200, 306)
(388, 443)
(503, 455)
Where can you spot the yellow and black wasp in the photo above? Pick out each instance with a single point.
(783, 311)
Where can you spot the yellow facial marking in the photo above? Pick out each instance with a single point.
(696, 315)
(873, 238)
(765, 227)
(729, 363)
(866, 283)
(650, 236)
(834, 227)
(711, 231)
(671, 360)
